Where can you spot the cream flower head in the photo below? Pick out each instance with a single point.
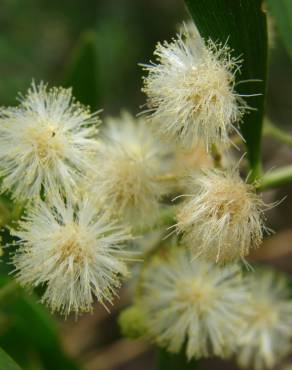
(221, 219)
(191, 92)
(127, 168)
(193, 303)
(46, 143)
(267, 337)
(75, 251)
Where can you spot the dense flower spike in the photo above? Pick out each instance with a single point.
(222, 219)
(268, 335)
(191, 90)
(127, 168)
(45, 143)
(193, 302)
(77, 253)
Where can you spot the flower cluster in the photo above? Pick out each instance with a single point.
(221, 220)
(206, 310)
(194, 296)
(191, 95)
(128, 165)
(88, 187)
(268, 332)
(193, 302)
(82, 189)
(67, 240)
(46, 144)
(77, 253)
(191, 92)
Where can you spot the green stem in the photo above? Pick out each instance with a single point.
(275, 178)
(217, 157)
(256, 173)
(277, 133)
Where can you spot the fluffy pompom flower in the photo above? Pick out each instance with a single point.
(193, 303)
(45, 143)
(127, 168)
(191, 90)
(76, 252)
(222, 218)
(268, 335)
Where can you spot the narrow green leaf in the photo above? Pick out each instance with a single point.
(171, 361)
(82, 71)
(281, 11)
(6, 362)
(242, 24)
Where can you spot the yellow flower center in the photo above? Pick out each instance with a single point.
(197, 294)
(231, 198)
(71, 245)
(45, 141)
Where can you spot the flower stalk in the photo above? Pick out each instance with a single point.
(270, 129)
(273, 179)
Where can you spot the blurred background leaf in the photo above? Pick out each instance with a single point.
(29, 333)
(281, 11)
(6, 362)
(242, 24)
(82, 71)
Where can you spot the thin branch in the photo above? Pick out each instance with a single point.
(275, 178)
(270, 129)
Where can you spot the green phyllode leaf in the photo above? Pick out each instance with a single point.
(29, 333)
(6, 362)
(82, 71)
(281, 11)
(242, 24)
